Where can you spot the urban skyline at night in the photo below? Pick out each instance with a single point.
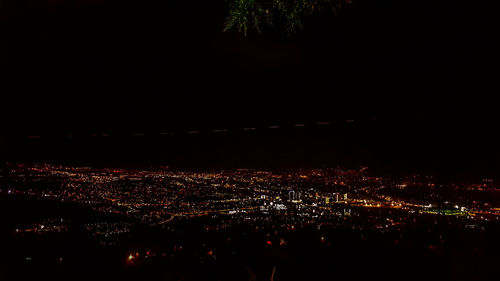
(227, 140)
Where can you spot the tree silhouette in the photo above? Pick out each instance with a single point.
(284, 15)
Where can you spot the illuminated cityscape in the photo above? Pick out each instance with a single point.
(150, 218)
(249, 140)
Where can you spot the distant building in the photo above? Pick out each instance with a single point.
(294, 196)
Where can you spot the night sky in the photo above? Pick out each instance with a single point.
(418, 78)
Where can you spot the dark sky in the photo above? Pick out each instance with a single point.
(418, 77)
